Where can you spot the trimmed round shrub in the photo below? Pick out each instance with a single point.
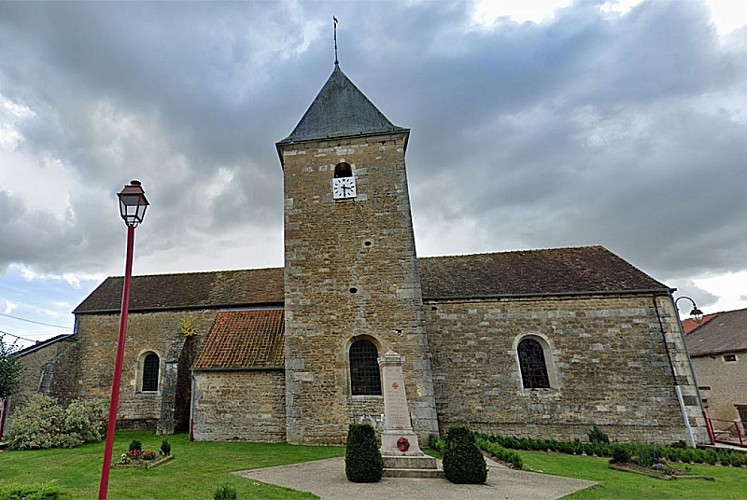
(363, 462)
(463, 461)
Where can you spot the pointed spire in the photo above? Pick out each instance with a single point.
(340, 110)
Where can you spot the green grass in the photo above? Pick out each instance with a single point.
(195, 472)
(730, 482)
(199, 468)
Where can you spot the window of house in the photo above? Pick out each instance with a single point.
(343, 170)
(532, 364)
(151, 365)
(729, 358)
(365, 379)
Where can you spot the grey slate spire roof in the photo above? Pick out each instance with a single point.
(340, 110)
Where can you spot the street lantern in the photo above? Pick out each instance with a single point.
(697, 316)
(132, 203)
(132, 206)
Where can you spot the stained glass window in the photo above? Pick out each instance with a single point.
(532, 364)
(150, 372)
(364, 369)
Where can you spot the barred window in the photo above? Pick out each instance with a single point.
(532, 365)
(150, 372)
(364, 369)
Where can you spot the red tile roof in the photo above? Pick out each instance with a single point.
(244, 339)
(689, 325)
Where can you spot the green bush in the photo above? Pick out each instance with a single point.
(41, 491)
(166, 448)
(42, 423)
(620, 455)
(596, 435)
(225, 492)
(37, 424)
(463, 462)
(363, 462)
(501, 453)
(136, 445)
(436, 443)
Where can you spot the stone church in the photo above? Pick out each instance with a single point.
(532, 343)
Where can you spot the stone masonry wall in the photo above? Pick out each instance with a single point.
(155, 332)
(58, 360)
(607, 360)
(239, 405)
(350, 272)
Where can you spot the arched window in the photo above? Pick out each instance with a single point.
(343, 170)
(151, 365)
(532, 365)
(364, 369)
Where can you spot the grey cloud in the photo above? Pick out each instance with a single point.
(589, 129)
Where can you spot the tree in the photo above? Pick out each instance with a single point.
(10, 370)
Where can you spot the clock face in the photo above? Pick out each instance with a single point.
(343, 187)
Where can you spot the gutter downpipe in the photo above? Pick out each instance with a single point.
(677, 388)
(192, 409)
(709, 427)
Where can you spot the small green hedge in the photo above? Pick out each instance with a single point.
(463, 462)
(363, 462)
(501, 453)
(617, 451)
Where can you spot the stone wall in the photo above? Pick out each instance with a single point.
(239, 405)
(607, 359)
(723, 386)
(350, 273)
(49, 370)
(158, 332)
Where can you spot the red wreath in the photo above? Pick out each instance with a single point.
(403, 444)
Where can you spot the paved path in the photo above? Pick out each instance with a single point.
(326, 479)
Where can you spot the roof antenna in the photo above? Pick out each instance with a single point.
(334, 20)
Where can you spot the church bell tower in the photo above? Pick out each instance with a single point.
(352, 291)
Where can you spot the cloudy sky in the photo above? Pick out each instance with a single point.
(534, 125)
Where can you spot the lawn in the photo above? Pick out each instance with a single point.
(730, 482)
(198, 468)
(195, 472)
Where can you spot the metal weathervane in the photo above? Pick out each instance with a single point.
(334, 22)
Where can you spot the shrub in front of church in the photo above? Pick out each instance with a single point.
(596, 435)
(463, 461)
(436, 443)
(363, 462)
(501, 453)
(42, 423)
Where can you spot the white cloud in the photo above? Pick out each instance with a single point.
(9, 306)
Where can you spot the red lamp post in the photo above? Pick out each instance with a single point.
(132, 206)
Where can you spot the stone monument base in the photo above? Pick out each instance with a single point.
(422, 466)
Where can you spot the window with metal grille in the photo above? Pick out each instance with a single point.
(150, 372)
(532, 364)
(364, 369)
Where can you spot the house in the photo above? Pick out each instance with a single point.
(718, 348)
